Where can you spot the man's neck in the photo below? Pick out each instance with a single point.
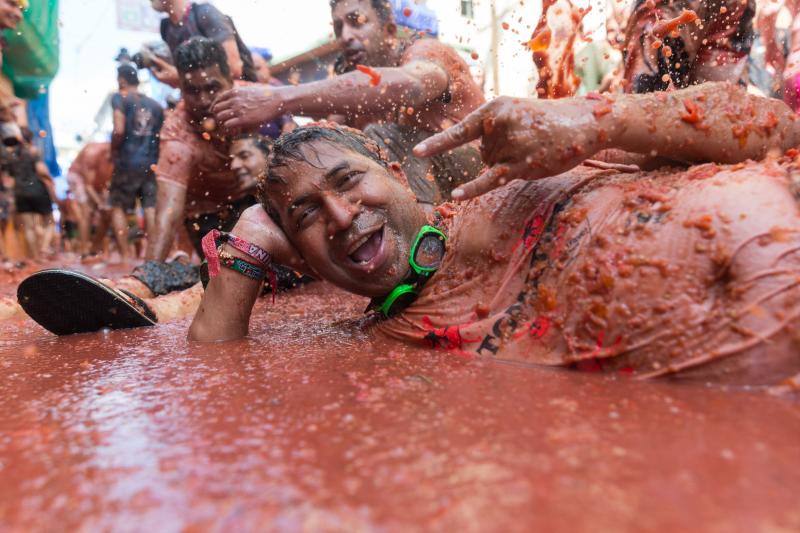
(178, 11)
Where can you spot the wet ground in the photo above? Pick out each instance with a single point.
(306, 427)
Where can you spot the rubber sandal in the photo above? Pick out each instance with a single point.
(65, 302)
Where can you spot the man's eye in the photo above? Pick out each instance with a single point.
(349, 178)
(305, 216)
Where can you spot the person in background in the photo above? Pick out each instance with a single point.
(88, 179)
(10, 17)
(134, 148)
(283, 124)
(34, 194)
(187, 19)
(678, 43)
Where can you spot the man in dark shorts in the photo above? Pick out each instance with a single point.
(34, 194)
(677, 43)
(188, 19)
(400, 90)
(134, 149)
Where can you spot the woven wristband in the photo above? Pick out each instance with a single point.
(214, 238)
(243, 267)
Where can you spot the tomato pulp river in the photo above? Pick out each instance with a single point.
(305, 427)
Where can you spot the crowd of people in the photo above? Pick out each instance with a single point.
(653, 231)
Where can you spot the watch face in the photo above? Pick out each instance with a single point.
(430, 251)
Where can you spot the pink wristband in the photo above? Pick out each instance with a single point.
(211, 241)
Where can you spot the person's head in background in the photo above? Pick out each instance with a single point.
(203, 72)
(249, 153)
(168, 6)
(11, 13)
(127, 78)
(261, 59)
(366, 31)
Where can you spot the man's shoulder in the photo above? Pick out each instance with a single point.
(430, 49)
(178, 127)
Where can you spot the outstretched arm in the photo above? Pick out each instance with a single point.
(355, 94)
(531, 139)
(224, 312)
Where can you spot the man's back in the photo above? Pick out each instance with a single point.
(143, 120)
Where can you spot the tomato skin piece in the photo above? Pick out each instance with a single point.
(374, 77)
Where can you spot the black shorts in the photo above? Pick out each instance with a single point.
(222, 220)
(33, 204)
(128, 185)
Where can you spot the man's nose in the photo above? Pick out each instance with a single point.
(348, 35)
(341, 212)
(236, 163)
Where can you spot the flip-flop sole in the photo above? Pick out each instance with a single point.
(66, 302)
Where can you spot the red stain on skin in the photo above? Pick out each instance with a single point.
(374, 77)
(600, 110)
(693, 115)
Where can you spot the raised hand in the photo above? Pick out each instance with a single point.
(524, 139)
(255, 226)
(247, 108)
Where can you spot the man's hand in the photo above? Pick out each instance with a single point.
(164, 72)
(243, 108)
(255, 226)
(523, 138)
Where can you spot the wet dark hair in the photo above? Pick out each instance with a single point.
(382, 7)
(199, 52)
(261, 142)
(289, 146)
(128, 73)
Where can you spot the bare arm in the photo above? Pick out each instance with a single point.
(118, 135)
(170, 203)
(355, 94)
(531, 139)
(716, 122)
(224, 312)
(47, 179)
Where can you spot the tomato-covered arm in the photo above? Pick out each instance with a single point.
(224, 312)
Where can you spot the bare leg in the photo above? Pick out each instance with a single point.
(27, 222)
(120, 224)
(47, 225)
(83, 215)
(9, 308)
(103, 222)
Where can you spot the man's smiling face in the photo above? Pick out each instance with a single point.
(350, 218)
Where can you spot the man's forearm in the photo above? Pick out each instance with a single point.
(356, 94)
(716, 122)
(224, 312)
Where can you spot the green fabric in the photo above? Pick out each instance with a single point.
(30, 58)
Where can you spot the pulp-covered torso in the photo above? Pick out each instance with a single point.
(693, 273)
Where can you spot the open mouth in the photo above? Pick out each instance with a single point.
(355, 55)
(367, 248)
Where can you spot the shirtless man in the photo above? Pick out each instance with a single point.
(196, 184)
(684, 273)
(88, 178)
(405, 89)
